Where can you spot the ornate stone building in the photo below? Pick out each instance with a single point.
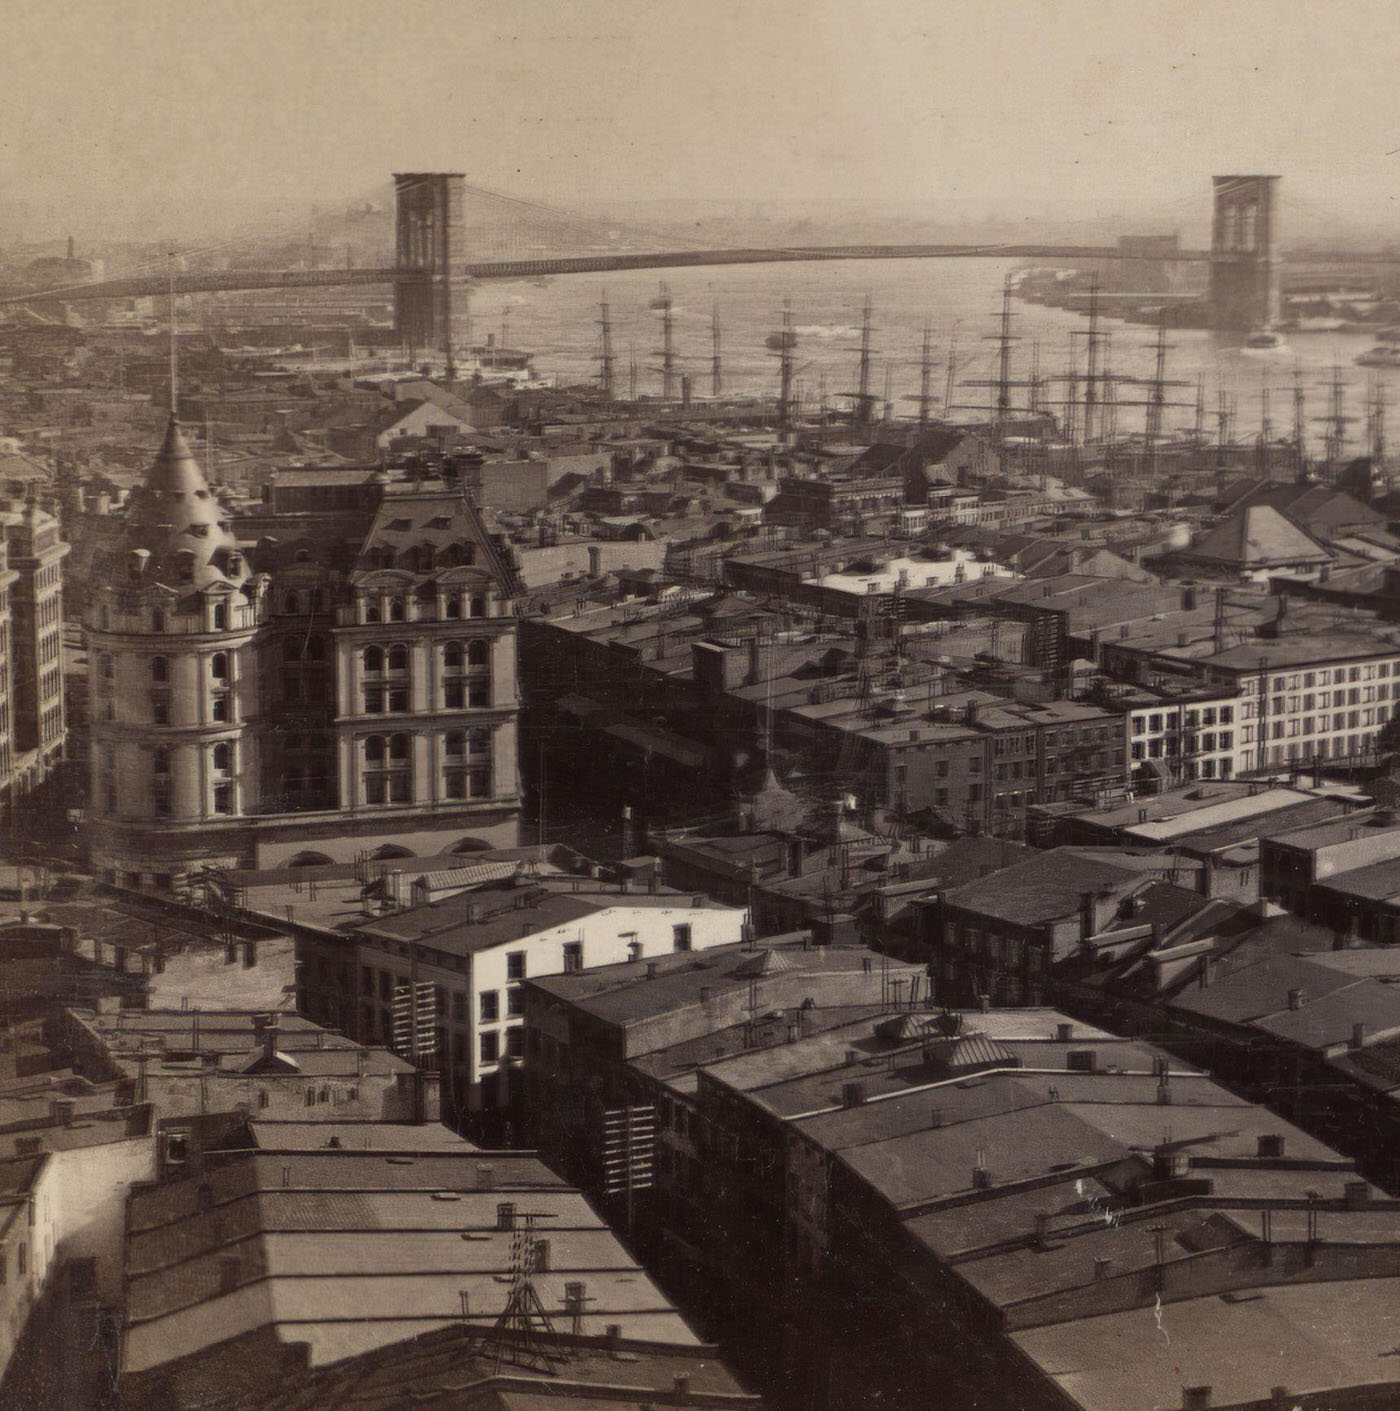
(330, 676)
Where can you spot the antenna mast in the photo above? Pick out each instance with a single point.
(174, 357)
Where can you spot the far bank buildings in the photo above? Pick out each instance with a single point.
(330, 673)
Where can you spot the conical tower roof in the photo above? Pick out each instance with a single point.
(175, 518)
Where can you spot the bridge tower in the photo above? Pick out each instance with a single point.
(428, 226)
(1244, 253)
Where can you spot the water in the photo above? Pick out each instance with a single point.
(956, 298)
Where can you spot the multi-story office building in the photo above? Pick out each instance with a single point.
(328, 676)
(1306, 689)
(472, 952)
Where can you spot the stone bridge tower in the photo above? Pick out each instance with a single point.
(1244, 263)
(427, 225)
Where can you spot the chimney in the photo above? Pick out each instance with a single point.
(652, 968)
(1042, 1228)
(1064, 1033)
(1101, 1268)
(981, 1178)
(1297, 998)
(985, 1003)
(852, 1094)
(1270, 1147)
(1196, 1398)
(682, 1384)
(1164, 1091)
(1358, 1035)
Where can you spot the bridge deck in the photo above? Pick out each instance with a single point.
(215, 281)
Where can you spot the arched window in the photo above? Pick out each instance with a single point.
(292, 602)
(374, 661)
(398, 657)
(478, 653)
(372, 610)
(160, 760)
(398, 746)
(454, 605)
(395, 609)
(374, 749)
(160, 669)
(223, 757)
(479, 742)
(218, 666)
(157, 619)
(220, 617)
(454, 743)
(452, 656)
(478, 608)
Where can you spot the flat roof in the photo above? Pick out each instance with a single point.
(1305, 1337)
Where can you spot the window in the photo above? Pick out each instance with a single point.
(680, 936)
(220, 617)
(478, 653)
(160, 759)
(515, 965)
(573, 957)
(478, 607)
(490, 1006)
(219, 706)
(398, 658)
(160, 669)
(223, 757)
(374, 661)
(454, 744)
(160, 708)
(223, 798)
(452, 656)
(292, 602)
(515, 1042)
(396, 610)
(515, 1003)
(490, 1047)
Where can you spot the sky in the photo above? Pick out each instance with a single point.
(193, 116)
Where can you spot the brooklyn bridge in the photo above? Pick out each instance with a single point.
(1244, 259)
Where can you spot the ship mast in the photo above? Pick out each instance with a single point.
(605, 358)
(716, 366)
(926, 378)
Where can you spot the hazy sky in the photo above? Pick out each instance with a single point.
(173, 114)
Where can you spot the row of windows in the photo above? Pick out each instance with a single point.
(396, 609)
(467, 694)
(378, 660)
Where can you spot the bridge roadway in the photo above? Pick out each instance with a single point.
(214, 281)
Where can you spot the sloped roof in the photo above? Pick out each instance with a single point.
(1258, 536)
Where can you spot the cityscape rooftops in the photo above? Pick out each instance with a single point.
(349, 1250)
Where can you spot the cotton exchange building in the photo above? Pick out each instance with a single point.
(307, 685)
